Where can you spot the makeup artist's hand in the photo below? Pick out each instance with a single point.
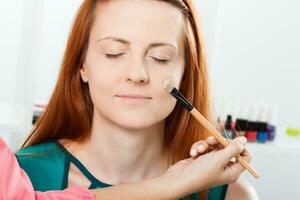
(211, 165)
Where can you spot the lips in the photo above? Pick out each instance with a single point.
(133, 96)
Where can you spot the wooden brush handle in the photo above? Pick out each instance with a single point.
(222, 140)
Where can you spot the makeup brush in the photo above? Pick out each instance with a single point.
(169, 86)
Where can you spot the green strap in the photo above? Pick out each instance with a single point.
(70, 158)
(66, 172)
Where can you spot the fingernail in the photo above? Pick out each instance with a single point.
(193, 152)
(243, 140)
(200, 147)
(210, 138)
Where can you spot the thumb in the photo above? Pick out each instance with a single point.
(234, 148)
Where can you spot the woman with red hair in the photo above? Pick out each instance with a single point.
(109, 122)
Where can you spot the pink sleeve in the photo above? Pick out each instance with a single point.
(16, 185)
(73, 193)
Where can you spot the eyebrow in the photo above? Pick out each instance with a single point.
(152, 45)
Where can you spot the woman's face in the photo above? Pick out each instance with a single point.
(134, 45)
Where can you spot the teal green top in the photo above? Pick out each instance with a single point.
(47, 166)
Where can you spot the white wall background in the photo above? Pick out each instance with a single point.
(32, 40)
(18, 46)
(252, 48)
(57, 17)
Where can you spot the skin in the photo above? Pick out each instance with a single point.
(133, 46)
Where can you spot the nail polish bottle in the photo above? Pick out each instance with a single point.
(241, 126)
(243, 114)
(292, 131)
(262, 134)
(262, 125)
(228, 128)
(271, 132)
(251, 132)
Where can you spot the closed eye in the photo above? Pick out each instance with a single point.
(113, 55)
(161, 61)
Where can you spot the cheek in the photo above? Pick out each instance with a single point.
(101, 84)
(98, 91)
(174, 73)
(102, 75)
(166, 102)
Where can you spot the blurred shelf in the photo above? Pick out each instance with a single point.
(282, 144)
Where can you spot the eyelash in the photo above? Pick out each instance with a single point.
(115, 56)
(161, 61)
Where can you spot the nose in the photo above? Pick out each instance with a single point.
(137, 73)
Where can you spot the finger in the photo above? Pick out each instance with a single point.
(211, 140)
(193, 150)
(210, 144)
(233, 171)
(204, 146)
(196, 144)
(235, 165)
(217, 148)
(234, 148)
(199, 148)
(246, 155)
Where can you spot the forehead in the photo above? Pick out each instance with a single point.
(138, 20)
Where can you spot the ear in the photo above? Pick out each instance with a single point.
(83, 74)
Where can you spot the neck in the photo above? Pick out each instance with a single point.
(119, 155)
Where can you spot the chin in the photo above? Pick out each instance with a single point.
(136, 124)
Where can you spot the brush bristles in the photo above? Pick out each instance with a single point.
(168, 85)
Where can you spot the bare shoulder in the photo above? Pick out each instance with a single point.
(241, 189)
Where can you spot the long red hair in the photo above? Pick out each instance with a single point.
(70, 109)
